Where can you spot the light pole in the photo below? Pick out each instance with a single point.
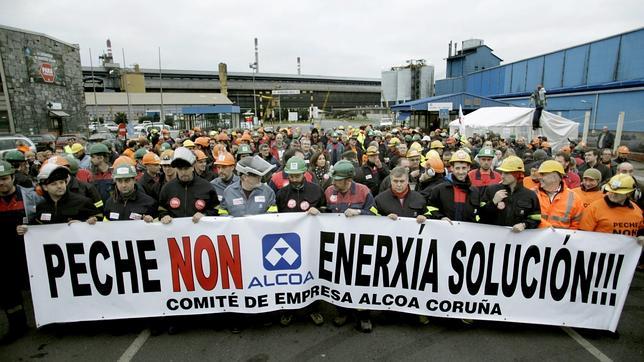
(127, 88)
(253, 66)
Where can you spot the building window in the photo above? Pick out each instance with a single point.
(4, 121)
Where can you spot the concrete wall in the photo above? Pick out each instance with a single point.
(28, 96)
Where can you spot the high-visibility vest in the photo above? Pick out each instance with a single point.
(564, 211)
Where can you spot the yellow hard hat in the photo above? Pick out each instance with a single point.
(416, 146)
(460, 156)
(76, 147)
(436, 144)
(551, 166)
(512, 164)
(621, 184)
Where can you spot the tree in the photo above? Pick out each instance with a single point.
(120, 117)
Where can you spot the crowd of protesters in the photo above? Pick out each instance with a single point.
(395, 172)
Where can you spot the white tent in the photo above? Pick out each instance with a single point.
(517, 121)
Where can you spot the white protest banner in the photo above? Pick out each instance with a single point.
(262, 263)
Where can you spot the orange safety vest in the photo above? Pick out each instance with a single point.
(563, 212)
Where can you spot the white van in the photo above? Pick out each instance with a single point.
(8, 143)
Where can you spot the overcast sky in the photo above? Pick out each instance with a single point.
(333, 37)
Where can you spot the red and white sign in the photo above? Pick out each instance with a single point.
(175, 202)
(47, 73)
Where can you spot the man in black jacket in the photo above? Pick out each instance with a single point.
(60, 205)
(605, 139)
(456, 199)
(400, 200)
(592, 161)
(299, 195)
(152, 179)
(509, 203)
(129, 201)
(186, 195)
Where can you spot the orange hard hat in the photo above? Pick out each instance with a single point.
(123, 160)
(436, 164)
(203, 141)
(24, 149)
(200, 155)
(129, 153)
(223, 136)
(623, 149)
(225, 159)
(246, 137)
(151, 158)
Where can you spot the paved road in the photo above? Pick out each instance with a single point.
(394, 337)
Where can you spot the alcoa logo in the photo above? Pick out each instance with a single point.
(281, 251)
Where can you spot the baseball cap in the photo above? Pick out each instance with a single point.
(593, 173)
(183, 156)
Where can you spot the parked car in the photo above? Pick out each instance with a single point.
(141, 126)
(93, 126)
(44, 141)
(386, 121)
(8, 143)
(113, 127)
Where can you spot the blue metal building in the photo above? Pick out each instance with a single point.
(602, 77)
(471, 59)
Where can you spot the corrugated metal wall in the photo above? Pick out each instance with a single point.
(619, 58)
(584, 68)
